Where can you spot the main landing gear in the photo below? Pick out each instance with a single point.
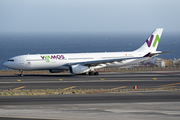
(21, 73)
(93, 73)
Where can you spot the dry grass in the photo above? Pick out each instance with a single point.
(73, 91)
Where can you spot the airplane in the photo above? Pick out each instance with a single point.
(82, 63)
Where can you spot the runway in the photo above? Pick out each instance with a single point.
(163, 105)
(104, 80)
(127, 97)
(152, 105)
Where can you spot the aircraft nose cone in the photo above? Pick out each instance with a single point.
(5, 64)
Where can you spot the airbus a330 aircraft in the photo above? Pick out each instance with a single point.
(80, 63)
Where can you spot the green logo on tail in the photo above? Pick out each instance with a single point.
(155, 41)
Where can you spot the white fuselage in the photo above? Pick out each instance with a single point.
(61, 61)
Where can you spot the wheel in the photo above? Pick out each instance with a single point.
(96, 73)
(91, 73)
(83, 73)
(21, 73)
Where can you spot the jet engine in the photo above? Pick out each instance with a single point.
(78, 69)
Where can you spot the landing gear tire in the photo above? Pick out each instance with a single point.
(96, 73)
(91, 73)
(81, 74)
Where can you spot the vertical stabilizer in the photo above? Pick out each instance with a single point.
(152, 42)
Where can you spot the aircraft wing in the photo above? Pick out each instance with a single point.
(97, 62)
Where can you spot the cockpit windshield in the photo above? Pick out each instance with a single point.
(11, 60)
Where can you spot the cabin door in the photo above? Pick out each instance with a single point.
(21, 60)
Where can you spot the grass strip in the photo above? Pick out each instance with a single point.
(30, 92)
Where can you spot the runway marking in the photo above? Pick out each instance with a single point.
(154, 78)
(61, 79)
(102, 79)
(134, 93)
(120, 87)
(169, 84)
(18, 80)
(19, 87)
(69, 88)
(107, 80)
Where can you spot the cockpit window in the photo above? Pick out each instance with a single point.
(11, 60)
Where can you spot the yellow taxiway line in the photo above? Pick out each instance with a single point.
(120, 87)
(69, 88)
(19, 87)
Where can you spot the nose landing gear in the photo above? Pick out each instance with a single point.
(21, 73)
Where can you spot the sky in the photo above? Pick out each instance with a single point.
(71, 16)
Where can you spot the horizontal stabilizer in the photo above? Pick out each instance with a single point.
(156, 53)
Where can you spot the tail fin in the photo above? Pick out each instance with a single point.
(152, 42)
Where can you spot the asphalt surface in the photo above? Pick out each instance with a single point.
(9, 118)
(162, 96)
(163, 105)
(104, 80)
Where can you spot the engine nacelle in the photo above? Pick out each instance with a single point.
(78, 69)
(56, 71)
